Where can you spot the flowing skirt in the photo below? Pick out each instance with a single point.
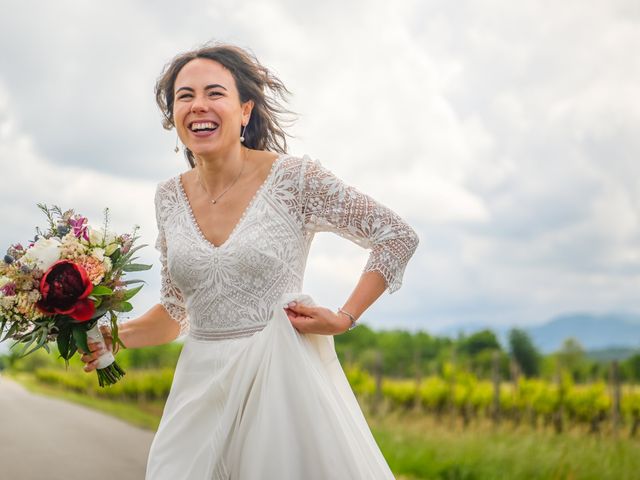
(274, 405)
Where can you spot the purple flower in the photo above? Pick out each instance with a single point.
(79, 227)
(9, 289)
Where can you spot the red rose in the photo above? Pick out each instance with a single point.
(65, 288)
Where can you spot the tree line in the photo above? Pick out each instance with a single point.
(402, 354)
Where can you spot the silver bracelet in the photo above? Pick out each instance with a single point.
(353, 319)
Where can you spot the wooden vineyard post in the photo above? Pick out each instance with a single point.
(559, 413)
(377, 399)
(495, 413)
(616, 396)
(417, 401)
(514, 370)
(452, 386)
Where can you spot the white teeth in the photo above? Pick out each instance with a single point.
(202, 125)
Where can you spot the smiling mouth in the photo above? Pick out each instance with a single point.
(203, 128)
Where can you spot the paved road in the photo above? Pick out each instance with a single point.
(46, 438)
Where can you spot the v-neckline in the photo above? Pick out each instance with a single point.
(195, 223)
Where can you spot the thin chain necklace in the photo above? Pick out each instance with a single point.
(214, 201)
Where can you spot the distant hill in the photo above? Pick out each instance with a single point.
(594, 332)
(607, 334)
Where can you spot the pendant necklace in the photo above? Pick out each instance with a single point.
(214, 201)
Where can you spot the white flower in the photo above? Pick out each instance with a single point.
(70, 239)
(33, 296)
(97, 236)
(111, 248)
(107, 264)
(98, 253)
(44, 253)
(7, 302)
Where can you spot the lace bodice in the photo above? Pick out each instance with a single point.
(230, 290)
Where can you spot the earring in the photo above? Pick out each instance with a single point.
(242, 134)
(176, 149)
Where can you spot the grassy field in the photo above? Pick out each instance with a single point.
(419, 447)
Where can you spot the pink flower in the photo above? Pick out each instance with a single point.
(79, 227)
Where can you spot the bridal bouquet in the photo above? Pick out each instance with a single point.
(59, 285)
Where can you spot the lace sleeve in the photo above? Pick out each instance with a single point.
(329, 204)
(171, 297)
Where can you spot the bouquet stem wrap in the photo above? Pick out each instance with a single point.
(108, 370)
(95, 335)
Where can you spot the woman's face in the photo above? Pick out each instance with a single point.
(207, 110)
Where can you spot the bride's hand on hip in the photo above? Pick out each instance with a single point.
(314, 319)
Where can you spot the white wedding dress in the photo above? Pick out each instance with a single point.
(251, 397)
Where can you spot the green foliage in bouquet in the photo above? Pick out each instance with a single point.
(69, 277)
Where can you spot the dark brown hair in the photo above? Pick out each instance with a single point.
(264, 130)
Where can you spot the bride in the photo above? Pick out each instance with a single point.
(258, 391)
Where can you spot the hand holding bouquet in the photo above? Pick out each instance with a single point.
(67, 278)
(95, 357)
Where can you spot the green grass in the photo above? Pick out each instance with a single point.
(419, 447)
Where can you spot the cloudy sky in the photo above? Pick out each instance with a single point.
(505, 133)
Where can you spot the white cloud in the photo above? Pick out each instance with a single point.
(29, 179)
(503, 132)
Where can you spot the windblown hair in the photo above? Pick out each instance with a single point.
(264, 130)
